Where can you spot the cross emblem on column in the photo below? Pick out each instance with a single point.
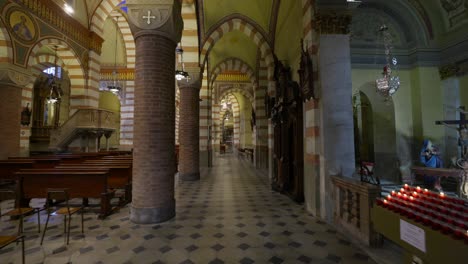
(149, 17)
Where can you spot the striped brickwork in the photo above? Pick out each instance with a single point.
(216, 126)
(204, 115)
(311, 107)
(261, 129)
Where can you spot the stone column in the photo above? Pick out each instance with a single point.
(157, 28)
(189, 127)
(336, 108)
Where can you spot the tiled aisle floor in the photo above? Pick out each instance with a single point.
(230, 216)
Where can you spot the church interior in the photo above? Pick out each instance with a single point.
(247, 131)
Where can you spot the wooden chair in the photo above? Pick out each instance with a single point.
(62, 195)
(7, 240)
(19, 211)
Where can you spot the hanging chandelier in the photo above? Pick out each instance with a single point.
(390, 82)
(115, 86)
(180, 73)
(53, 82)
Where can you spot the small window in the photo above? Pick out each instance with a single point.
(51, 70)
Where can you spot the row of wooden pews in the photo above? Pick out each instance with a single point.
(85, 175)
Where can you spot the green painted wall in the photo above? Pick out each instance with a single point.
(111, 102)
(289, 34)
(464, 91)
(108, 46)
(417, 105)
(258, 10)
(431, 100)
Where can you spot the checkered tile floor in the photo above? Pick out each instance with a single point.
(229, 216)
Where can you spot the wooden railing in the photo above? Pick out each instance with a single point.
(83, 120)
(353, 202)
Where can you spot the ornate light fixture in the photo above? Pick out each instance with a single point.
(55, 91)
(389, 83)
(115, 87)
(180, 73)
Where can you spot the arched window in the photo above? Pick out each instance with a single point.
(51, 70)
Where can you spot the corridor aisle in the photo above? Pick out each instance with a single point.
(229, 216)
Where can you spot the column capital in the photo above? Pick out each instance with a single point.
(334, 16)
(15, 77)
(449, 70)
(156, 17)
(194, 81)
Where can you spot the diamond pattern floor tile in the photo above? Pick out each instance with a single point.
(229, 216)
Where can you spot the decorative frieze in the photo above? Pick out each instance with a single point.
(449, 70)
(122, 75)
(333, 23)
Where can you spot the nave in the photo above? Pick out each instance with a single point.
(229, 216)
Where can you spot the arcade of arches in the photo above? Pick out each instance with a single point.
(277, 119)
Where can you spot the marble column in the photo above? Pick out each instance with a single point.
(157, 28)
(189, 127)
(336, 108)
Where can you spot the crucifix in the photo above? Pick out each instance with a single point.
(462, 128)
(149, 17)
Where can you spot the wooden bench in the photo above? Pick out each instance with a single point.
(89, 184)
(457, 175)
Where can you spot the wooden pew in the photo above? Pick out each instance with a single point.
(9, 167)
(120, 176)
(89, 184)
(39, 162)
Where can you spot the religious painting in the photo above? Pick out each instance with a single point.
(306, 75)
(22, 26)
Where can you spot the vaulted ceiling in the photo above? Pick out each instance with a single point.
(435, 24)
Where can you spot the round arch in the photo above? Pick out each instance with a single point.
(236, 116)
(237, 90)
(234, 64)
(72, 64)
(244, 26)
(6, 51)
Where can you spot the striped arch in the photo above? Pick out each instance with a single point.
(101, 13)
(241, 91)
(234, 64)
(44, 61)
(79, 93)
(249, 29)
(6, 51)
(128, 39)
(236, 115)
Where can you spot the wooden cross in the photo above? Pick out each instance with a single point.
(460, 122)
(149, 17)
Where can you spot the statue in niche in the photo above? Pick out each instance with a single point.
(26, 116)
(306, 72)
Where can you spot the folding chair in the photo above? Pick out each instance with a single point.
(62, 195)
(19, 211)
